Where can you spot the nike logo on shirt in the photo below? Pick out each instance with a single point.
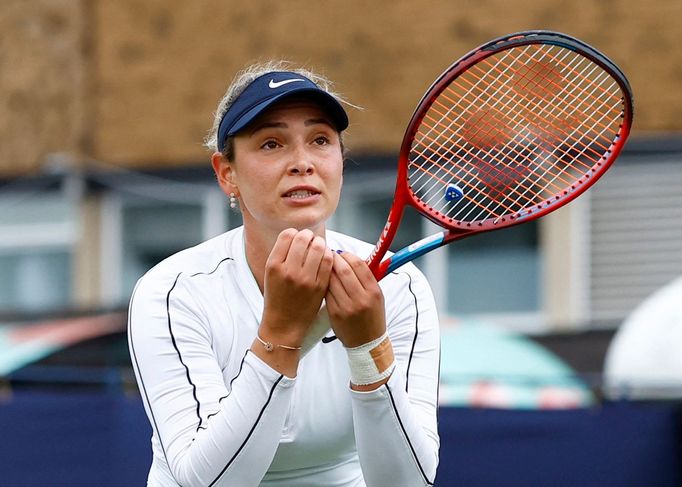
(276, 84)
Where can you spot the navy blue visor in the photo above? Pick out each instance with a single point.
(271, 88)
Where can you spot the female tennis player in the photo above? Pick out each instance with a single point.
(216, 331)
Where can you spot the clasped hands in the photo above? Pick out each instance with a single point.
(300, 273)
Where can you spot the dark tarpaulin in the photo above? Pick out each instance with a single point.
(103, 440)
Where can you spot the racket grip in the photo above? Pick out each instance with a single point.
(411, 252)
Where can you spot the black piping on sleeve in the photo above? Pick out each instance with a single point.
(137, 365)
(175, 345)
(416, 329)
(246, 440)
(414, 454)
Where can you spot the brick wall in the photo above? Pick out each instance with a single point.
(135, 83)
(42, 82)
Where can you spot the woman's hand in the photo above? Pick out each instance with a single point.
(296, 280)
(355, 302)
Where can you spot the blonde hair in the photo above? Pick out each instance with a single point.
(243, 79)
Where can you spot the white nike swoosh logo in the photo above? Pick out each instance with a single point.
(276, 84)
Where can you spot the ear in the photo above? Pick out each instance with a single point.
(224, 173)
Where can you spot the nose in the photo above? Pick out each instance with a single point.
(301, 162)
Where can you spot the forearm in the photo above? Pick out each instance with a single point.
(210, 432)
(237, 442)
(394, 446)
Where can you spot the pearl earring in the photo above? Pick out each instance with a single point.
(233, 201)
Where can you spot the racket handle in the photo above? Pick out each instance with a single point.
(409, 253)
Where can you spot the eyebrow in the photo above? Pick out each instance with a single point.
(282, 125)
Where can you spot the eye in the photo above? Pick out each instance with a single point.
(270, 144)
(321, 140)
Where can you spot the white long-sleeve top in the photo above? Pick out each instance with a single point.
(222, 417)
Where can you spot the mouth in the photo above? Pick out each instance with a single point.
(301, 193)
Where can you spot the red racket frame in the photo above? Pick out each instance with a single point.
(456, 229)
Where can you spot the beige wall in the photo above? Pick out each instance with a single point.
(42, 82)
(135, 82)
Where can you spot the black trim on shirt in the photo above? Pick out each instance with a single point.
(139, 371)
(248, 437)
(241, 366)
(175, 345)
(414, 454)
(416, 329)
(216, 268)
(134, 355)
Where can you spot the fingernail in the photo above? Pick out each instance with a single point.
(339, 251)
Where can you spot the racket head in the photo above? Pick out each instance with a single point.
(512, 131)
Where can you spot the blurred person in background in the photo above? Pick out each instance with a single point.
(217, 332)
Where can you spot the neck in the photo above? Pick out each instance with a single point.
(257, 247)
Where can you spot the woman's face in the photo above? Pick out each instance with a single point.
(287, 168)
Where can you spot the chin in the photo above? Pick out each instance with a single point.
(311, 223)
(315, 227)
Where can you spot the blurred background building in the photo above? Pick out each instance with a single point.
(105, 105)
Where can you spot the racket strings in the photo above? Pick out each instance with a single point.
(479, 173)
(538, 109)
(537, 133)
(518, 155)
(575, 101)
(590, 130)
(444, 170)
(543, 129)
(462, 149)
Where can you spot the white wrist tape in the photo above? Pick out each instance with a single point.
(371, 362)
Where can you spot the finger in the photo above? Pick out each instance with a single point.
(313, 257)
(299, 248)
(345, 274)
(331, 301)
(281, 248)
(360, 269)
(337, 297)
(324, 271)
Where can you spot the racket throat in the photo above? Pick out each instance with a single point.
(411, 252)
(381, 247)
(385, 239)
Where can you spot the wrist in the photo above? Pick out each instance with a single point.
(287, 335)
(372, 362)
(281, 359)
(269, 346)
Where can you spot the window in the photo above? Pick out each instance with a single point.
(35, 280)
(496, 272)
(153, 232)
(38, 234)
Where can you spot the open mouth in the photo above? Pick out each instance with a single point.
(300, 194)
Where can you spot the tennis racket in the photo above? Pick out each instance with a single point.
(509, 133)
